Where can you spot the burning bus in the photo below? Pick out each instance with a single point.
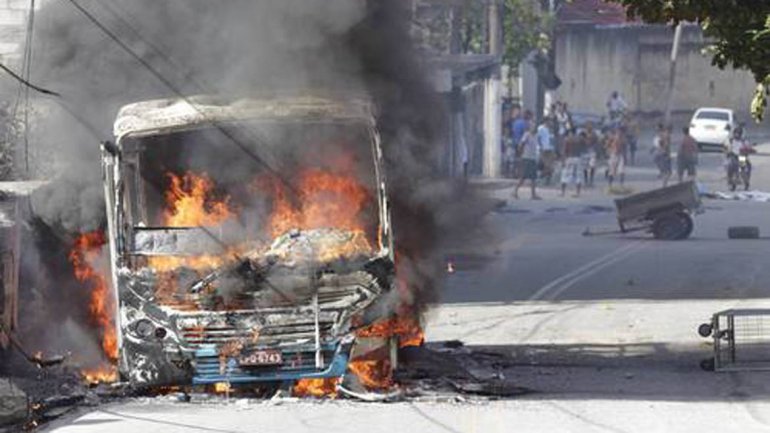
(250, 240)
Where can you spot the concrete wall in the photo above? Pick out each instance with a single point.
(635, 60)
(13, 27)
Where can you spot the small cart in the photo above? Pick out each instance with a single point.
(665, 212)
(741, 339)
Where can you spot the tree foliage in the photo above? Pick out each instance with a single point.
(525, 28)
(739, 29)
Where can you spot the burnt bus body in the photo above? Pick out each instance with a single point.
(268, 306)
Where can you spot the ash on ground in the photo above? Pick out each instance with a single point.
(439, 371)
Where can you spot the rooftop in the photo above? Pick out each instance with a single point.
(175, 114)
(593, 12)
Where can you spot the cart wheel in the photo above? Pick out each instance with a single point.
(672, 226)
(707, 364)
(704, 330)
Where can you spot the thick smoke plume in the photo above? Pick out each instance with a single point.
(242, 48)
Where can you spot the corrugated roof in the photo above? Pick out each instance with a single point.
(595, 12)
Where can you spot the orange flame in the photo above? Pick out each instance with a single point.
(405, 326)
(374, 369)
(316, 387)
(222, 388)
(101, 374)
(191, 202)
(323, 200)
(374, 374)
(84, 252)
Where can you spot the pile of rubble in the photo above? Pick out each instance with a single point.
(450, 370)
(443, 371)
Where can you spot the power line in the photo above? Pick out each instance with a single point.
(28, 71)
(20, 79)
(178, 92)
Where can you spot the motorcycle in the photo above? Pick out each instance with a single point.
(744, 170)
(733, 168)
(739, 168)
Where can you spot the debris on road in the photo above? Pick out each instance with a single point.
(743, 232)
(450, 368)
(13, 403)
(757, 196)
(665, 212)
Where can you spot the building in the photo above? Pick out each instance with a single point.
(14, 19)
(598, 50)
(470, 86)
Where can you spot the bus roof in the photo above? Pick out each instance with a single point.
(177, 114)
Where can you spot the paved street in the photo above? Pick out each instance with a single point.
(543, 255)
(601, 329)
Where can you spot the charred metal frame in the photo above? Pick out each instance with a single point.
(176, 351)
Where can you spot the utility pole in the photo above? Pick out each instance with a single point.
(492, 90)
(672, 73)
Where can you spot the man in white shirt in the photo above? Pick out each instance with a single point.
(547, 150)
(529, 152)
(616, 106)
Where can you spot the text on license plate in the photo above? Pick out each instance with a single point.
(261, 357)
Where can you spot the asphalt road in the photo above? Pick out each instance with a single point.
(541, 253)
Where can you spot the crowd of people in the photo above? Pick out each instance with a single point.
(574, 151)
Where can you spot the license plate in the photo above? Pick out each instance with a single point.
(261, 357)
(710, 127)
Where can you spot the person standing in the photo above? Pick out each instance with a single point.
(563, 123)
(572, 154)
(616, 106)
(592, 150)
(547, 150)
(661, 147)
(616, 148)
(520, 126)
(632, 132)
(687, 157)
(528, 150)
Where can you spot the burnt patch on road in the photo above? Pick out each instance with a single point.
(511, 210)
(468, 262)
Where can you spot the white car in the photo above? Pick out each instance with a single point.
(711, 127)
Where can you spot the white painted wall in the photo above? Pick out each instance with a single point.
(635, 61)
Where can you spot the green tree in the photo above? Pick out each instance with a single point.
(739, 30)
(525, 28)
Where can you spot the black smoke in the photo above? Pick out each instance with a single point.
(243, 48)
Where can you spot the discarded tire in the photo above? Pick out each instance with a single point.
(743, 232)
(705, 329)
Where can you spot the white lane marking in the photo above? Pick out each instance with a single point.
(564, 278)
(561, 289)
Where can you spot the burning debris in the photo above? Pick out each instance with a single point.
(85, 253)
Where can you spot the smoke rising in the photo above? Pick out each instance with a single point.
(243, 47)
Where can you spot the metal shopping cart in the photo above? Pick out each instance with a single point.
(741, 340)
